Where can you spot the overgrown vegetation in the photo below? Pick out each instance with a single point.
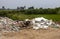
(32, 13)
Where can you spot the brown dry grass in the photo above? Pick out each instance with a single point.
(51, 33)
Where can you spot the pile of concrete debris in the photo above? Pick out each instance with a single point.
(7, 24)
(41, 22)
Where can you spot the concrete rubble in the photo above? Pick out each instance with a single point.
(7, 24)
(43, 23)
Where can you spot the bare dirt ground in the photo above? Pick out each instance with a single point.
(51, 33)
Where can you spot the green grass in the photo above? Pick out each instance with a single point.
(54, 17)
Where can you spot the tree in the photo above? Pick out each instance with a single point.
(3, 7)
(18, 8)
(22, 8)
(31, 7)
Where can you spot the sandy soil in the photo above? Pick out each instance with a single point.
(51, 33)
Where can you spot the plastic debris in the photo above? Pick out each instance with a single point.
(41, 22)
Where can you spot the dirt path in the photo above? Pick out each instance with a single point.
(51, 33)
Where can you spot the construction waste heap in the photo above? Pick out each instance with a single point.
(7, 24)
